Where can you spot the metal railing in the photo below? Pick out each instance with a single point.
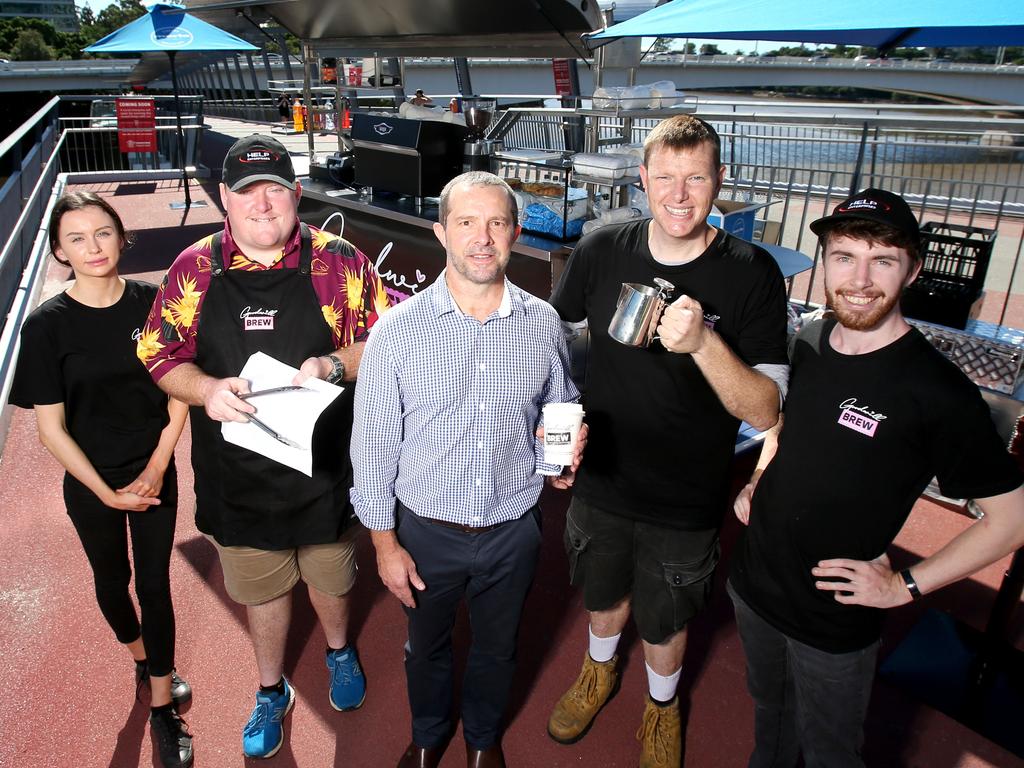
(27, 163)
(950, 167)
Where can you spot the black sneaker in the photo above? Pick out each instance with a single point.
(172, 742)
(181, 691)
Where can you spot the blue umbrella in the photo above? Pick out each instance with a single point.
(882, 24)
(166, 27)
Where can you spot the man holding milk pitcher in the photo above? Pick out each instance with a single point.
(664, 399)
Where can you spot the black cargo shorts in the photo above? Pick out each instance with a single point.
(666, 572)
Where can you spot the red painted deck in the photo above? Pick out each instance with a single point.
(68, 689)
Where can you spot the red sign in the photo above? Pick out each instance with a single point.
(136, 124)
(563, 82)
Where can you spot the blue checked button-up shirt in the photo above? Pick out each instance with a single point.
(446, 408)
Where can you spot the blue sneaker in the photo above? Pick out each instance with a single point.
(264, 733)
(348, 686)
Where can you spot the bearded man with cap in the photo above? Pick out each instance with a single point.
(873, 413)
(268, 283)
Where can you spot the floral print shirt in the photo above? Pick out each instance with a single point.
(348, 288)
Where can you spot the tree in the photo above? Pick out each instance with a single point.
(110, 19)
(710, 49)
(30, 45)
(791, 50)
(86, 18)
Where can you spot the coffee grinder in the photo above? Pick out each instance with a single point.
(478, 150)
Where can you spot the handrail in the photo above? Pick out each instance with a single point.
(12, 141)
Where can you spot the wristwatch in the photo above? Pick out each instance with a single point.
(912, 587)
(337, 370)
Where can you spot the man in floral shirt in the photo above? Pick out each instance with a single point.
(267, 283)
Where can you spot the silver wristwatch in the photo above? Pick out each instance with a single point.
(337, 370)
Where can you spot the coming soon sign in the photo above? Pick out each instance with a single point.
(136, 124)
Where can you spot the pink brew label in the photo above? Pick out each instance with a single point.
(259, 323)
(858, 422)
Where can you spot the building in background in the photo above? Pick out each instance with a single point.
(61, 14)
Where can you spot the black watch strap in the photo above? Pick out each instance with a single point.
(912, 588)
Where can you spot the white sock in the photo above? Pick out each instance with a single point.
(662, 688)
(603, 648)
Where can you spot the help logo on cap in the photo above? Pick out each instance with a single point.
(257, 158)
(875, 205)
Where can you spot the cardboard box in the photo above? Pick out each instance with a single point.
(738, 217)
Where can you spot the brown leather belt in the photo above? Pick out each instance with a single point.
(460, 526)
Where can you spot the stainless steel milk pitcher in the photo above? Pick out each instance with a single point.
(638, 312)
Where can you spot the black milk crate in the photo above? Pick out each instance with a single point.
(948, 290)
(956, 255)
(941, 302)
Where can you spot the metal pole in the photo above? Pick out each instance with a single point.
(181, 134)
(307, 56)
(859, 167)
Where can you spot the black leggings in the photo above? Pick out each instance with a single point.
(104, 535)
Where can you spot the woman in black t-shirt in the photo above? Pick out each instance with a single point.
(102, 417)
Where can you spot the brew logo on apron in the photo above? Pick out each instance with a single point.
(259, 319)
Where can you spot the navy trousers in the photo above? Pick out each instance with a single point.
(493, 572)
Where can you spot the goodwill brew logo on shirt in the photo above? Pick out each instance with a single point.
(257, 319)
(710, 320)
(859, 418)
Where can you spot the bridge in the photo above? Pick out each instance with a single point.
(976, 83)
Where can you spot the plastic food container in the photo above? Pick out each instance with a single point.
(610, 167)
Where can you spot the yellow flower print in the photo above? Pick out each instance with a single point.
(183, 309)
(333, 317)
(322, 239)
(353, 282)
(149, 344)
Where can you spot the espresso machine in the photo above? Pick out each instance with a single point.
(478, 150)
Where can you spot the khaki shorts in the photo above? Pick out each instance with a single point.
(254, 576)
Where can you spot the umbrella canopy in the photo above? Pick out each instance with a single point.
(882, 24)
(166, 27)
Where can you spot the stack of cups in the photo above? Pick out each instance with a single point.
(562, 422)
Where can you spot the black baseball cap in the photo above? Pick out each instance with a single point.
(872, 205)
(257, 158)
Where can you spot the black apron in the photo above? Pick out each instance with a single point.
(242, 498)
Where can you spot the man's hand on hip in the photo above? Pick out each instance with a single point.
(220, 399)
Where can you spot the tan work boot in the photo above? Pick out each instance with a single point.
(576, 710)
(661, 736)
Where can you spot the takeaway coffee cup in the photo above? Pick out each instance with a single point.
(562, 422)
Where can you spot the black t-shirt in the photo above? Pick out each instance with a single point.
(863, 436)
(85, 358)
(661, 443)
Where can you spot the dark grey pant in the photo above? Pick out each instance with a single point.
(492, 571)
(805, 699)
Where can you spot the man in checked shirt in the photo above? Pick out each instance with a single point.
(447, 467)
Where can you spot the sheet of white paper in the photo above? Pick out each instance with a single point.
(291, 414)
